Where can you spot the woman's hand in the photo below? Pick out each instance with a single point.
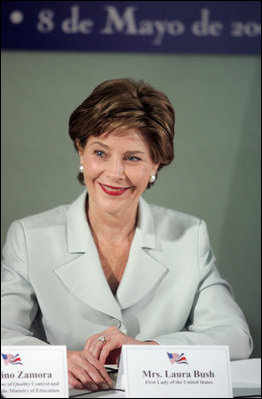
(87, 372)
(111, 345)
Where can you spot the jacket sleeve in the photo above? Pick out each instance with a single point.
(18, 301)
(215, 317)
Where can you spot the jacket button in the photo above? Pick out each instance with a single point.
(116, 323)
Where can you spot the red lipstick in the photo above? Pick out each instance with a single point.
(111, 190)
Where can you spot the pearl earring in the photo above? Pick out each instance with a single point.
(152, 179)
(81, 168)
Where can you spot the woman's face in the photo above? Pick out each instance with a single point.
(117, 169)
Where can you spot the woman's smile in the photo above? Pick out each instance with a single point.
(111, 190)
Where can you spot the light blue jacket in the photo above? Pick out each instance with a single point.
(54, 289)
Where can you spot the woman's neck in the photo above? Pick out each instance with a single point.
(117, 228)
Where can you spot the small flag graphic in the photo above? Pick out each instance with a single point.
(176, 358)
(11, 359)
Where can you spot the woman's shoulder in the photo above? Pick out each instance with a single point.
(163, 214)
(168, 223)
(35, 226)
(55, 216)
(47, 218)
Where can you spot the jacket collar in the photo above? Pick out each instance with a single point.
(84, 276)
(79, 236)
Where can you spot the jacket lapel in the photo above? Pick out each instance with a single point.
(141, 275)
(84, 276)
(146, 264)
(85, 279)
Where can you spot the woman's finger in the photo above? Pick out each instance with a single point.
(107, 348)
(98, 373)
(84, 377)
(96, 343)
(95, 347)
(74, 382)
(88, 371)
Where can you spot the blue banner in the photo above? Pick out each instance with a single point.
(203, 27)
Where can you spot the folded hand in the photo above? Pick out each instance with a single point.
(106, 346)
(87, 372)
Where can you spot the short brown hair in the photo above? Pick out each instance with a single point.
(119, 104)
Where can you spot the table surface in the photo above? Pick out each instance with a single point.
(245, 377)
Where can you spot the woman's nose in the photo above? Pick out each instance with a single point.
(115, 169)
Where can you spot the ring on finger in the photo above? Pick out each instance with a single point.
(102, 338)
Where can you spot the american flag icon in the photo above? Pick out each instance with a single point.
(176, 358)
(11, 359)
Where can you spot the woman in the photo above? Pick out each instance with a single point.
(110, 269)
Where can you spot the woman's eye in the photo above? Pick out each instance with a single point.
(99, 153)
(132, 158)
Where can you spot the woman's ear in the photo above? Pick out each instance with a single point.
(79, 147)
(156, 166)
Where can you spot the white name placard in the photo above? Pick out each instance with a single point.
(161, 371)
(34, 371)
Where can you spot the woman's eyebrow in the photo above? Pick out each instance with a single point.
(100, 143)
(126, 152)
(134, 152)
